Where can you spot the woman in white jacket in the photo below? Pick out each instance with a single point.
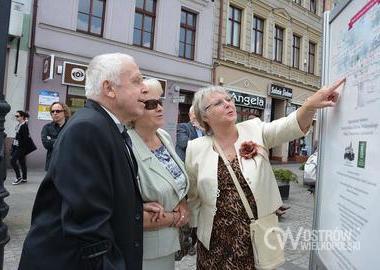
(217, 211)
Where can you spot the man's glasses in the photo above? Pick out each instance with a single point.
(56, 111)
(152, 104)
(17, 116)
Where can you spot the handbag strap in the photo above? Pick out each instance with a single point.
(236, 182)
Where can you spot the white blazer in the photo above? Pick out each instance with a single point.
(158, 185)
(202, 165)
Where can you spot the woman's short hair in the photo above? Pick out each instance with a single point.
(104, 67)
(199, 103)
(154, 86)
(65, 108)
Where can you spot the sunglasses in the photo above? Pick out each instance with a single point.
(152, 104)
(56, 111)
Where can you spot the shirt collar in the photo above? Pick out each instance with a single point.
(119, 125)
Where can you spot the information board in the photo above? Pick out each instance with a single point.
(348, 188)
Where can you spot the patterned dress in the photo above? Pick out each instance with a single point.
(230, 243)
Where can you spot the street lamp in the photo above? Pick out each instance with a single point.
(5, 8)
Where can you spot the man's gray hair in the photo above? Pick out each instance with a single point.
(104, 67)
(199, 103)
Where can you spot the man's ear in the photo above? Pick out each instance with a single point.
(108, 89)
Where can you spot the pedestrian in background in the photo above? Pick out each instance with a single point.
(22, 145)
(88, 209)
(187, 132)
(218, 212)
(60, 113)
(162, 179)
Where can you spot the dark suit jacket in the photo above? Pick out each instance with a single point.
(88, 209)
(185, 132)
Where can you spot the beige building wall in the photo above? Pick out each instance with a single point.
(245, 71)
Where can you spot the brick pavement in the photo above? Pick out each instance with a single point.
(22, 196)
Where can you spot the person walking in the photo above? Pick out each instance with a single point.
(88, 212)
(60, 113)
(21, 146)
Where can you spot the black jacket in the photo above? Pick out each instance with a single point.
(88, 210)
(22, 138)
(49, 135)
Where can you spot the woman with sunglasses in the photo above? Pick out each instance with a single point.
(21, 146)
(223, 224)
(60, 113)
(162, 179)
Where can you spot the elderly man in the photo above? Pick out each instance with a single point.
(88, 210)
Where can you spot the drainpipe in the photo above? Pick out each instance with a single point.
(31, 55)
(219, 51)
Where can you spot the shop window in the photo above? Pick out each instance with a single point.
(75, 98)
(184, 107)
(91, 17)
(244, 113)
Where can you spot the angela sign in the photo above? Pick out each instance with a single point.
(74, 74)
(246, 100)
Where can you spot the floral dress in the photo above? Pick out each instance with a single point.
(230, 243)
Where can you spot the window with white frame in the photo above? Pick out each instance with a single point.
(278, 43)
(257, 35)
(312, 48)
(187, 34)
(143, 30)
(296, 48)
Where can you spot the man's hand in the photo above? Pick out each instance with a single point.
(155, 209)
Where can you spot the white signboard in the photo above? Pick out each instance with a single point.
(349, 191)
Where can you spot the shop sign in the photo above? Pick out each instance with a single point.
(246, 100)
(48, 68)
(280, 91)
(74, 74)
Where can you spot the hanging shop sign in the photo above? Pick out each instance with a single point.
(280, 91)
(74, 74)
(48, 68)
(247, 100)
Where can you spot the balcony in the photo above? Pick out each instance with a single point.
(259, 63)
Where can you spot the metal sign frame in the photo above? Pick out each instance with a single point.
(316, 262)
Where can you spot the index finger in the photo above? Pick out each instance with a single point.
(336, 84)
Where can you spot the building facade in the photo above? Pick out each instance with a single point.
(17, 62)
(171, 40)
(269, 55)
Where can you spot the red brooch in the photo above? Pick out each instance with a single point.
(248, 150)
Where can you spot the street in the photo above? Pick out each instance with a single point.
(21, 200)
